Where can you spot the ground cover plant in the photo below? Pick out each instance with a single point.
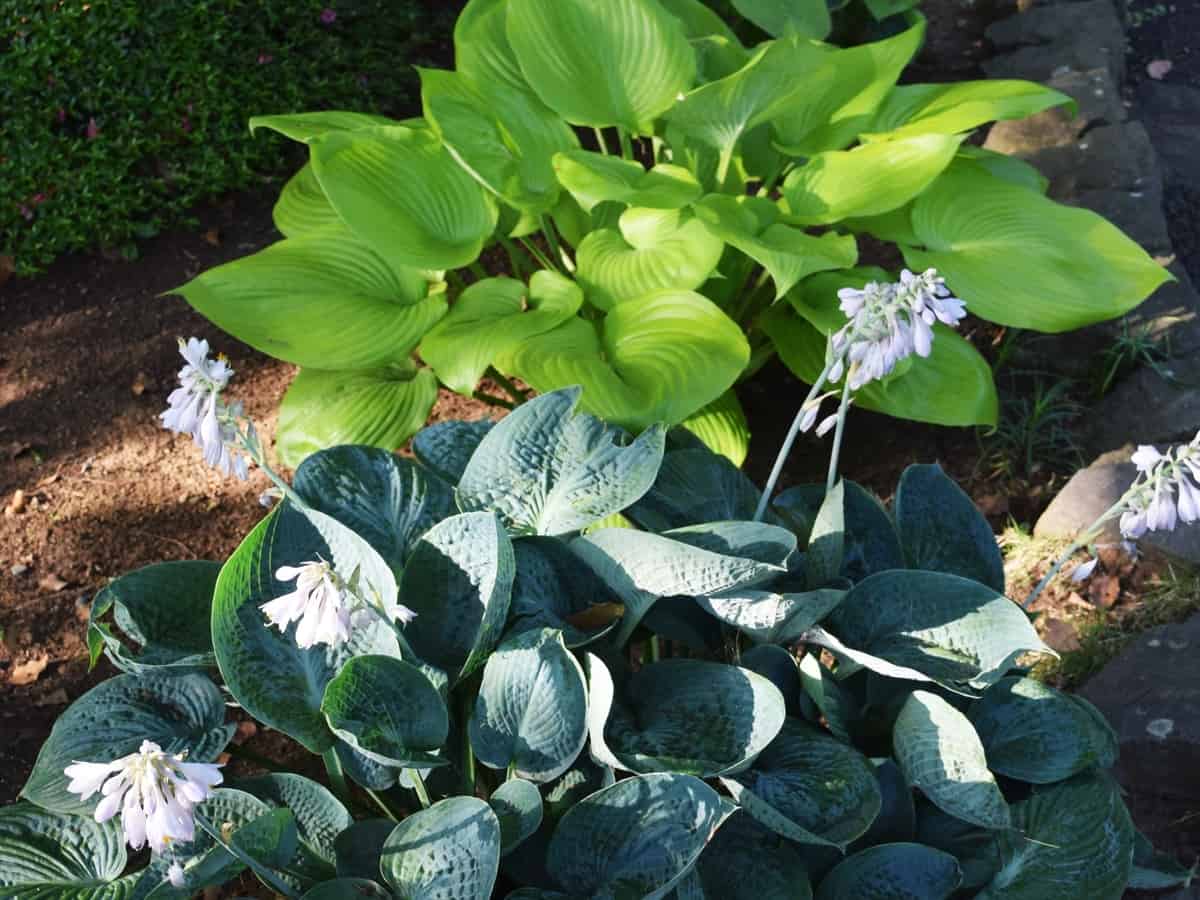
(706, 200)
(567, 662)
(119, 116)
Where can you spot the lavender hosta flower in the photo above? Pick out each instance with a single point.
(195, 408)
(1165, 492)
(154, 791)
(1084, 570)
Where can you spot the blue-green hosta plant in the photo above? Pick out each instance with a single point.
(619, 194)
(548, 659)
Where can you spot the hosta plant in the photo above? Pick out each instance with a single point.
(620, 194)
(547, 659)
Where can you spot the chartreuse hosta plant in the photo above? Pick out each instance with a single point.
(621, 195)
(547, 659)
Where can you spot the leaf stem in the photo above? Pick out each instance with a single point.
(337, 777)
(1085, 538)
(538, 254)
(273, 880)
(418, 784)
(478, 271)
(626, 144)
(382, 804)
(836, 450)
(518, 395)
(468, 757)
(599, 132)
(552, 239)
(515, 262)
(492, 400)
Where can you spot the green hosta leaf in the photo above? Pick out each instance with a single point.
(593, 178)
(302, 205)
(870, 543)
(492, 317)
(746, 861)
(809, 788)
(1002, 166)
(341, 888)
(304, 127)
(772, 616)
(450, 851)
(1076, 268)
(943, 531)
(518, 806)
(382, 408)
(698, 19)
(459, 582)
(693, 486)
(401, 191)
(789, 254)
(1153, 870)
(282, 299)
(693, 717)
(658, 358)
(722, 427)
(481, 48)
(267, 673)
(1037, 734)
(827, 694)
(807, 18)
(164, 610)
(959, 633)
(940, 753)
(893, 872)
(1072, 839)
(388, 501)
(868, 180)
(359, 847)
(546, 469)
(953, 386)
(45, 854)
(636, 838)
(637, 59)
(883, 9)
(177, 711)
(504, 136)
(912, 109)
(552, 590)
(641, 567)
(653, 249)
(530, 716)
(445, 448)
(387, 710)
(844, 94)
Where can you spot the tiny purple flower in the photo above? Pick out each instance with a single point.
(328, 16)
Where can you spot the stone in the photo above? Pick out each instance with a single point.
(1083, 499)
(1150, 694)
(1082, 35)
(1137, 213)
(1117, 156)
(1170, 112)
(1148, 408)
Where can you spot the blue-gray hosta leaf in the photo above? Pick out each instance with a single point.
(341, 888)
(548, 470)
(276, 681)
(387, 710)
(641, 567)
(826, 540)
(1072, 839)
(772, 616)
(165, 610)
(359, 847)
(693, 717)
(47, 854)
(897, 819)
(601, 698)
(959, 633)
(179, 712)
(363, 770)
(517, 804)
(531, 713)
(939, 752)
(445, 448)
(746, 861)
(778, 666)
(893, 872)
(450, 851)
(552, 590)
(459, 583)
(832, 701)
(976, 849)
(637, 838)
(870, 543)
(809, 787)
(943, 531)
(695, 485)
(1034, 733)
(1153, 870)
(388, 501)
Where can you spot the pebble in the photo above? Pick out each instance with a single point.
(18, 570)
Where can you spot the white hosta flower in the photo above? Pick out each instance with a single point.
(1146, 458)
(321, 603)
(154, 791)
(175, 875)
(195, 408)
(1165, 492)
(1083, 570)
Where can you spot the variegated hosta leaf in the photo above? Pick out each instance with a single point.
(693, 717)
(593, 178)
(179, 712)
(1072, 839)
(649, 250)
(278, 683)
(1037, 734)
(450, 851)
(388, 501)
(746, 861)
(546, 469)
(657, 358)
(445, 448)
(490, 318)
(959, 633)
(459, 583)
(517, 804)
(47, 854)
(531, 713)
(552, 590)
(622, 62)
(809, 788)
(387, 710)
(641, 567)
(636, 838)
(940, 753)
(893, 872)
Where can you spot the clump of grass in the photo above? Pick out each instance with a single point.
(1035, 433)
(1131, 349)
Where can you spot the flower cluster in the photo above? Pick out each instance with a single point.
(154, 791)
(1165, 490)
(196, 408)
